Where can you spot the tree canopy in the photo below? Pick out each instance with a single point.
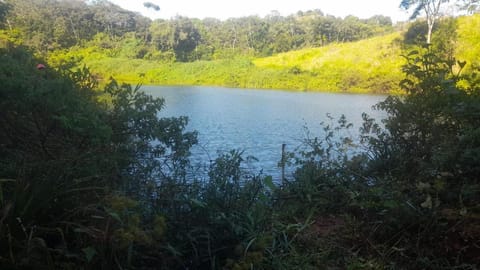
(62, 24)
(431, 8)
(152, 6)
(471, 6)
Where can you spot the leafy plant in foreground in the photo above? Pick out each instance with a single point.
(77, 174)
(428, 166)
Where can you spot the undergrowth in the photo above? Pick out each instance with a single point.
(91, 179)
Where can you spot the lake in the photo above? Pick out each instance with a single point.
(257, 121)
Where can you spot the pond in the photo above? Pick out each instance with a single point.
(258, 121)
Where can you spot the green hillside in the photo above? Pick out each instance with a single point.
(468, 45)
(367, 66)
(371, 65)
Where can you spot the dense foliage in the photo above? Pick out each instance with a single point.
(54, 24)
(93, 184)
(91, 178)
(133, 49)
(334, 67)
(68, 161)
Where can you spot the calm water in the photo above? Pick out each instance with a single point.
(257, 121)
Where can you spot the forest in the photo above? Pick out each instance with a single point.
(129, 34)
(82, 186)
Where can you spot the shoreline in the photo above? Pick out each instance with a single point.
(285, 89)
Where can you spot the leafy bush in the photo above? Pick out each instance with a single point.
(73, 169)
(405, 195)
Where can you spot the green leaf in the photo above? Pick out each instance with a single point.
(89, 252)
(115, 216)
(80, 230)
(427, 203)
(414, 52)
(250, 243)
(197, 203)
(268, 181)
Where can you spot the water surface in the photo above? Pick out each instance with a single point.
(257, 121)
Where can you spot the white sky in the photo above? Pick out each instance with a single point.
(223, 9)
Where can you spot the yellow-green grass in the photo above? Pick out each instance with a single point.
(373, 65)
(369, 65)
(468, 45)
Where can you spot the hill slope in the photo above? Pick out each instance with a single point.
(468, 45)
(367, 66)
(371, 65)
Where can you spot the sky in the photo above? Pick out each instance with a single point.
(224, 9)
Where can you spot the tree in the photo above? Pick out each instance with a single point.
(471, 6)
(151, 5)
(380, 20)
(3, 10)
(431, 9)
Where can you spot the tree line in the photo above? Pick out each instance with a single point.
(53, 24)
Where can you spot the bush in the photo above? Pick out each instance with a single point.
(407, 193)
(73, 169)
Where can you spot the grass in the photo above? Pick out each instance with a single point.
(371, 65)
(469, 34)
(367, 66)
(367, 53)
